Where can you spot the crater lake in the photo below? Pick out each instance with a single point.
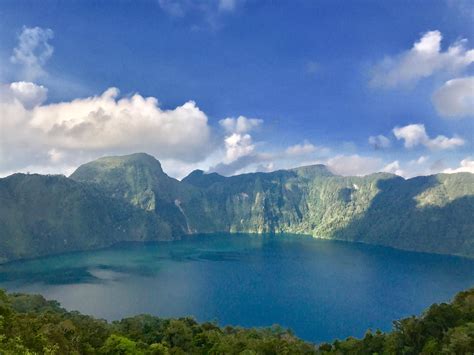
(321, 289)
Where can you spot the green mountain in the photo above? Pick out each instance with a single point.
(428, 213)
(115, 199)
(41, 215)
(139, 180)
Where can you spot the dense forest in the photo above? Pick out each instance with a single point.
(29, 324)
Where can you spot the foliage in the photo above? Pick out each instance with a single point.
(442, 329)
(31, 325)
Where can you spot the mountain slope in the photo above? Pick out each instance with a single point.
(428, 213)
(140, 180)
(130, 198)
(41, 215)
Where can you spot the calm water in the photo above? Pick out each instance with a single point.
(320, 289)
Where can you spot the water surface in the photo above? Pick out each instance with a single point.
(321, 289)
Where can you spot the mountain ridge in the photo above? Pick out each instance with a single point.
(427, 213)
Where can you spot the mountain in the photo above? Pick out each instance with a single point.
(129, 197)
(427, 213)
(42, 215)
(139, 180)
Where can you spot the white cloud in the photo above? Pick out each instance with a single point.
(424, 59)
(238, 142)
(238, 145)
(455, 99)
(415, 135)
(242, 156)
(93, 126)
(33, 51)
(301, 149)
(29, 94)
(421, 160)
(104, 122)
(465, 166)
(240, 124)
(443, 142)
(350, 165)
(49, 138)
(394, 168)
(379, 142)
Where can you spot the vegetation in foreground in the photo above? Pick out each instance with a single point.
(29, 324)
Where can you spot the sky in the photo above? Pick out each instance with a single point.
(235, 86)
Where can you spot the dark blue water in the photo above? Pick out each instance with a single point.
(321, 289)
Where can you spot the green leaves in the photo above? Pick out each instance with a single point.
(442, 329)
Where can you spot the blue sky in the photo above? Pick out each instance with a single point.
(318, 78)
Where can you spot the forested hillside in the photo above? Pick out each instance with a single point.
(42, 215)
(427, 213)
(31, 325)
(131, 198)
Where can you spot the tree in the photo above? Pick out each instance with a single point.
(120, 345)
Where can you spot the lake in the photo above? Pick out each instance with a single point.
(320, 289)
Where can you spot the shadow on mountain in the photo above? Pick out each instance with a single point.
(395, 218)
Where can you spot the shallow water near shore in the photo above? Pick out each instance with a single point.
(321, 289)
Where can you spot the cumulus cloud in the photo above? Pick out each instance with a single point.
(465, 166)
(415, 167)
(33, 51)
(238, 145)
(301, 149)
(424, 59)
(238, 142)
(354, 165)
(97, 125)
(240, 124)
(379, 142)
(28, 94)
(241, 154)
(394, 168)
(415, 134)
(455, 99)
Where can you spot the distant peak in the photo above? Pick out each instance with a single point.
(197, 172)
(313, 170)
(107, 164)
(123, 159)
(130, 157)
(202, 179)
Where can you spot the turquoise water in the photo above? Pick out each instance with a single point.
(321, 289)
